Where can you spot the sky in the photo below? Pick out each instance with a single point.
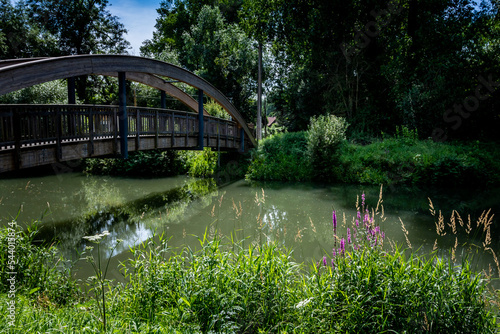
(139, 18)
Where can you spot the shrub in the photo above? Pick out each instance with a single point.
(216, 110)
(324, 138)
(200, 163)
(281, 157)
(139, 164)
(39, 269)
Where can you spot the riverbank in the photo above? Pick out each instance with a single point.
(223, 286)
(396, 160)
(323, 153)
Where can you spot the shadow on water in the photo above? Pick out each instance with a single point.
(296, 215)
(131, 221)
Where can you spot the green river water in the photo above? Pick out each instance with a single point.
(296, 215)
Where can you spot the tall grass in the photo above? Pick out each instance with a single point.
(367, 284)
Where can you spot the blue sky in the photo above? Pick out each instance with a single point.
(139, 18)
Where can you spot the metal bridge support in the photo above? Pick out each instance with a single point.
(71, 91)
(242, 140)
(163, 100)
(122, 114)
(201, 124)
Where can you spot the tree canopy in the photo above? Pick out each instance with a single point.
(377, 63)
(431, 65)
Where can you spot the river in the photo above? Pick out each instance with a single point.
(297, 215)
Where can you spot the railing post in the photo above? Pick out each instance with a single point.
(201, 125)
(242, 140)
(122, 114)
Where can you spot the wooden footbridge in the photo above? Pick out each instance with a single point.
(35, 135)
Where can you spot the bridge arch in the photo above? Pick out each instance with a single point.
(19, 74)
(143, 78)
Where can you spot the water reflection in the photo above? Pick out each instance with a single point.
(297, 216)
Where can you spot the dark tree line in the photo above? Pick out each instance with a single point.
(378, 63)
(432, 65)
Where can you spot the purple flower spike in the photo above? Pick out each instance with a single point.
(348, 235)
(334, 219)
(333, 264)
(334, 253)
(324, 261)
(363, 199)
(342, 245)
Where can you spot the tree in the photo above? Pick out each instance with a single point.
(177, 16)
(81, 27)
(222, 54)
(19, 37)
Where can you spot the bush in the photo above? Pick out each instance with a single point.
(324, 138)
(281, 157)
(407, 160)
(200, 163)
(139, 164)
(216, 110)
(39, 269)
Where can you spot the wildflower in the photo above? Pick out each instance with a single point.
(334, 219)
(303, 303)
(334, 253)
(363, 199)
(333, 264)
(348, 235)
(324, 261)
(342, 246)
(96, 238)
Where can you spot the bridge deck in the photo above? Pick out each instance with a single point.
(35, 135)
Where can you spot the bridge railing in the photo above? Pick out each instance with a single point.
(31, 125)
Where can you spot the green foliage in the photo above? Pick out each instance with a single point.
(53, 92)
(40, 271)
(99, 283)
(204, 38)
(373, 63)
(225, 287)
(139, 164)
(22, 38)
(240, 287)
(406, 135)
(407, 161)
(82, 27)
(402, 159)
(216, 110)
(376, 291)
(222, 54)
(200, 163)
(281, 157)
(324, 138)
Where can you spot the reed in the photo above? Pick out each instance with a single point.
(367, 284)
